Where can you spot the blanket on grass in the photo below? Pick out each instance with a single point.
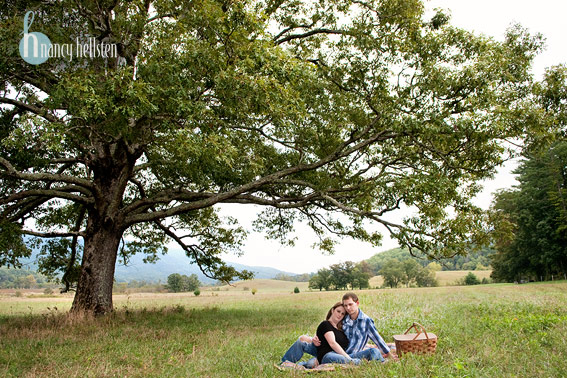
(322, 367)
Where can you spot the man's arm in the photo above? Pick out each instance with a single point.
(376, 338)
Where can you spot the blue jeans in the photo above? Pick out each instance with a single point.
(296, 351)
(335, 358)
(372, 354)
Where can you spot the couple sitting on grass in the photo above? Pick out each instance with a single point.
(341, 339)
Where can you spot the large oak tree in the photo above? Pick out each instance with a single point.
(330, 112)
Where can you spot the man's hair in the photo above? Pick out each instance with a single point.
(350, 295)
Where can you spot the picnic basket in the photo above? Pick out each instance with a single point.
(420, 342)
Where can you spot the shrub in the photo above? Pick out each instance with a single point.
(471, 279)
(254, 291)
(18, 294)
(296, 290)
(47, 291)
(197, 292)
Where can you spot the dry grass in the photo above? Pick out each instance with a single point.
(262, 285)
(450, 277)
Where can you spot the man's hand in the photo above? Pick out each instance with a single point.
(316, 341)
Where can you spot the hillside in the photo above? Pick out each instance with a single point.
(175, 261)
(473, 261)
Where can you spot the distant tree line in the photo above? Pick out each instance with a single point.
(342, 276)
(138, 286)
(397, 267)
(305, 277)
(21, 279)
(478, 260)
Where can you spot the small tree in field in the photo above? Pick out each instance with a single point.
(181, 283)
(174, 283)
(393, 273)
(296, 290)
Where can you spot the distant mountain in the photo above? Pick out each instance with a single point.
(175, 261)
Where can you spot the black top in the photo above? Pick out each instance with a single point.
(325, 348)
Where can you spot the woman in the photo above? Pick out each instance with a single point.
(333, 344)
(333, 340)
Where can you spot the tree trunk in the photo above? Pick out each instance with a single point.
(94, 289)
(111, 170)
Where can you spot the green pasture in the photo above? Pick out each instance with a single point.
(484, 331)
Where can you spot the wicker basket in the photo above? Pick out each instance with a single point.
(420, 342)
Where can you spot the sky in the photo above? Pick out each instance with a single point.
(489, 17)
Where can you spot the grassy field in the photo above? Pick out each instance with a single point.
(450, 277)
(262, 285)
(484, 331)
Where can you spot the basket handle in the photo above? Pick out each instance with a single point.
(422, 329)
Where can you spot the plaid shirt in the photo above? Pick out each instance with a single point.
(358, 331)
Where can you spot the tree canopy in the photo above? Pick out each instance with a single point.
(333, 112)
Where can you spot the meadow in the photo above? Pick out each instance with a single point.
(484, 331)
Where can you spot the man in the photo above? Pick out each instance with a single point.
(358, 328)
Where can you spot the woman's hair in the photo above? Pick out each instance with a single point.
(338, 304)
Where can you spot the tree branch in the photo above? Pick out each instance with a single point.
(48, 177)
(309, 34)
(32, 108)
(371, 215)
(211, 199)
(160, 16)
(189, 249)
(62, 193)
(73, 258)
(53, 234)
